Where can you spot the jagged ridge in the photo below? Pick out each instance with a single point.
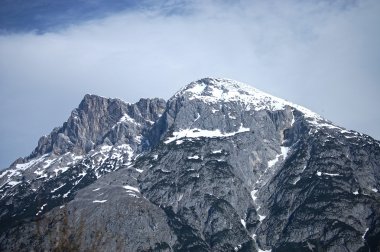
(227, 168)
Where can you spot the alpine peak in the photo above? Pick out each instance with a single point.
(222, 166)
(216, 90)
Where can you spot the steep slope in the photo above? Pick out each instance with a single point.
(229, 140)
(225, 168)
(100, 136)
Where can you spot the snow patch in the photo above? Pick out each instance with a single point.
(198, 116)
(365, 232)
(296, 180)
(41, 209)
(197, 89)
(99, 201)
(180, 197)
(374, 190)
(261, 250)
(39, 172)
(48, 163)
(131, 188)
(105, 148)
(261, 217)
(243, 222)
(76, 157)
(42, 176)
(284, 151)
(272, 162)
(97, 189)
(82, 174)
(293, 119)
(196, 133)
(127, 118)
(237, 247)
(253, 195)
(56, 189)
(18, 169)
(195, 157)
(32, 162)
(231, 116)
(327, 174)
(284, 154)
(331, 174)
(217, 152)
(60, 169)
(356, 192)
(14, 183)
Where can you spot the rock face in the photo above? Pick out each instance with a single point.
(221, 166)
(100, 136)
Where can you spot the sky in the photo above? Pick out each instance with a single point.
(321, 54)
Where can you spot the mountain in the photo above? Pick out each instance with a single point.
(100, 136)
(220, 166)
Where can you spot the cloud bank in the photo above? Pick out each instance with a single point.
(323, 55)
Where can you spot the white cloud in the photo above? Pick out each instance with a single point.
(319, 55)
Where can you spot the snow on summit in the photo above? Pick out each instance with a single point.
(214, 90)
(218, 91)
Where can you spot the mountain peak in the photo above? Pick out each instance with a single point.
(215, 86)
(93, 97)
(222, 161)
(215, 90)
(91, 101)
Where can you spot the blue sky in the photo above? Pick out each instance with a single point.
(321, 54)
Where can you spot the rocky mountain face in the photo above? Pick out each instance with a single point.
(220, 166)
(100, 136)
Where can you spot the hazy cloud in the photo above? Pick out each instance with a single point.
(323, 55)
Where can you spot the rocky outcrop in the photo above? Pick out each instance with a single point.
(100, 120)
(100, 136)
